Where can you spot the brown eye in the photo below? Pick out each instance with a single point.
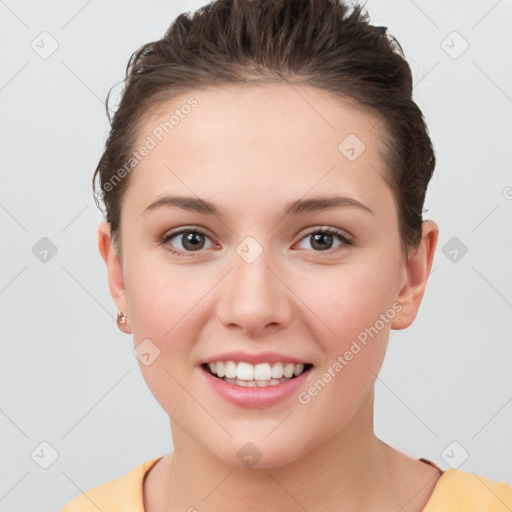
(192, 241)
(186, 240)
(323, 240)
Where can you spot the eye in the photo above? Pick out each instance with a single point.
(323, 239)
(187, 240)
(190, 240)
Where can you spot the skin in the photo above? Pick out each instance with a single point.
(250, 151)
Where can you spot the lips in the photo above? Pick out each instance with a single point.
(261, 357)
(254, 393)
(255, 380)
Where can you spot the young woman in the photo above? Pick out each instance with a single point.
(264, 181)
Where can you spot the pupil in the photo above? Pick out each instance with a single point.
(193, 239)
(321, 237)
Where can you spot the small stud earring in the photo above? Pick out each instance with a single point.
(121, 320)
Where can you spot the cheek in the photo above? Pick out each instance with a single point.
(160, 297)
(353, 355)
(357, 307)
(162, 311)
(347, 303)
(166, 307)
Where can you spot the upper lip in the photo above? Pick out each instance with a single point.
(260, 357)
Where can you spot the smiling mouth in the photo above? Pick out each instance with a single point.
(260, 375)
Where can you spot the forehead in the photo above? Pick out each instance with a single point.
(263, 109)
(249, 138)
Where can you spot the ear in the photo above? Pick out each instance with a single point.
(114, 271)
(417, 270)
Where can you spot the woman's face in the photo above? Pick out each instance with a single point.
(280, 272)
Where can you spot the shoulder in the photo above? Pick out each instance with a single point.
(458, 490)
(121, 494)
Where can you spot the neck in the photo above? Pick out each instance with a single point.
(350, 471)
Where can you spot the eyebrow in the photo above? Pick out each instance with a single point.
(298, 206)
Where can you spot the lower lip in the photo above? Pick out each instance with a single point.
(255, 397)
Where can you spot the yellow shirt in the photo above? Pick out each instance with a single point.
(455, 491)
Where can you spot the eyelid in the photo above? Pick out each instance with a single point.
(192, 228)
(330, 229)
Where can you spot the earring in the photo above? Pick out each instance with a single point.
(121, 320)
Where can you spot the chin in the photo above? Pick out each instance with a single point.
(258, 452)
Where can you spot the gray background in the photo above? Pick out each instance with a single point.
(69, 377)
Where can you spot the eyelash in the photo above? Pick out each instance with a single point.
(331, 231)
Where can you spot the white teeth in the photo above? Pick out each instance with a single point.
(220, 369)
(288, 370)
(262, 374)
(230, 369)
(245, 371)
(256, 383)
(277, 370)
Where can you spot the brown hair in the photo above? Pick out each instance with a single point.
(309, 42)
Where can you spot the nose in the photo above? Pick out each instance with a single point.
(253, 297)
